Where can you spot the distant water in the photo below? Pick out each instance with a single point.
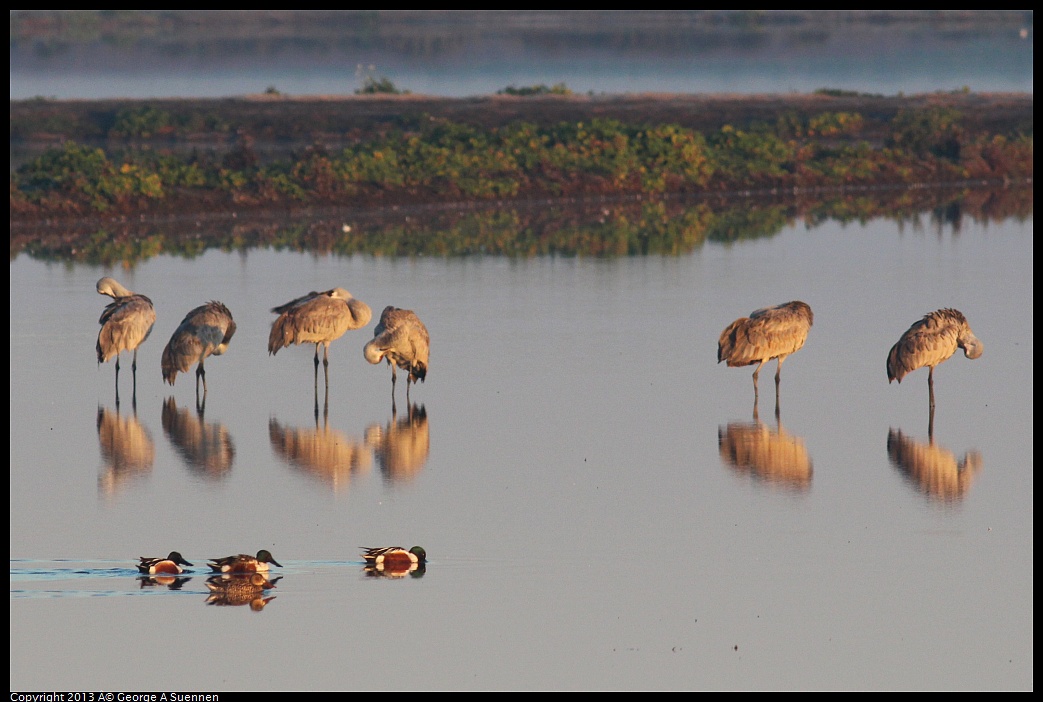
(455, 59)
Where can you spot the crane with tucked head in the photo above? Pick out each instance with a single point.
(402, 340)
(125, 324)
(317, 318)
(772, 332)
(205, 331)
(930, 341)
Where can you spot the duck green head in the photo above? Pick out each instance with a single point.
(266, 557)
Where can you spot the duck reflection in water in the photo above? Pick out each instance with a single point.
(237, 589)
(768, 455)
(322, 452)
(127, 449)
(171, 582)
(402, 445)
(933, 470)
(205, 448)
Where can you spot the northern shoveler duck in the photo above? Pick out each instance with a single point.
(243, 563)
(169, 565)
(394, 557)
(234, 589)
(413, 570)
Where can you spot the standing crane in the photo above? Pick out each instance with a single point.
(125, 324)
(402, 340)
(205, 331)
(317, 318)
(930, 341)
(772, 332)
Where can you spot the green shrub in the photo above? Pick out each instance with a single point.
(83, 175)
(932, 131)
(142, 123)
(750, 157)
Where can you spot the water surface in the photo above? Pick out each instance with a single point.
(598, 504)
(458, 55)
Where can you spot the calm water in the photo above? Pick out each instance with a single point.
(599, 508)
(453, 56)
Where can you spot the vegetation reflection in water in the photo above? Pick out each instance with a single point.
(665, 227)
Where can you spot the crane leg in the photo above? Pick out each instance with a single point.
(756, 374)
(325, 362)
(930, 386)
(117, 382)
(778, 376)
(200, 375)
(316, 369)
(134, 375)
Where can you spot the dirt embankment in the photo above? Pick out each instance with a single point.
(308, 119)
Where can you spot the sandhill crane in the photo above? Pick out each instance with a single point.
(930, 341)
(772, 332)
(317, 318)
(125, 324)
(205, 331)
(401, 339)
